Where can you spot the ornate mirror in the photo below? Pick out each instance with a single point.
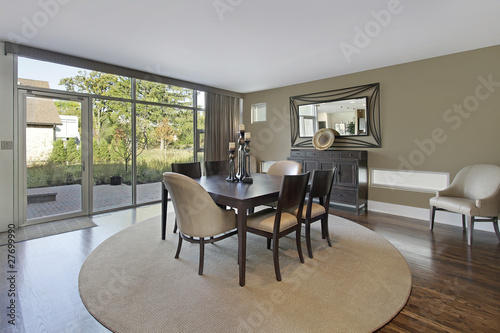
(352, 113)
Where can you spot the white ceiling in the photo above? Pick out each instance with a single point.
(251, 45)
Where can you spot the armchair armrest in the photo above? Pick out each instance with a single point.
(489, 206)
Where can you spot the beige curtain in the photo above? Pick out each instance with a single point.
(221, 125)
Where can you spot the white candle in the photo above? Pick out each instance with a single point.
(232, 145)
(247, 136)
(242, 127)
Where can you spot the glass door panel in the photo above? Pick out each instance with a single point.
(54, 165)
(112, 154)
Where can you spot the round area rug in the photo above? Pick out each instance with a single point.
(132, 283)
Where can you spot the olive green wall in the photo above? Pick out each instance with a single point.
(438, 114)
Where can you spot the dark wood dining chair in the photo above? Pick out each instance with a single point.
(202, 223)
(286, 218)
(190, 169)
(216, 168)
(321, 188)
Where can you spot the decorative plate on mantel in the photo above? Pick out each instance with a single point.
(323, 138)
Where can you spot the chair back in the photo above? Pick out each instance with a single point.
(478, 181)
(216, 168)
(292, 194)
(192, 169)
(321, 184)
(192, 204)
(282, 168)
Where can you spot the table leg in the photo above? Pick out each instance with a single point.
(242, 241)
(164, 202)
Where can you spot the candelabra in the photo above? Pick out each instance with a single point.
(232, 171)
(247, 178)
(241, 154)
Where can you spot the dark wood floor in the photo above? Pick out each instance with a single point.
(455, 288)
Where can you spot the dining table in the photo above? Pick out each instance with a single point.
(242, 196)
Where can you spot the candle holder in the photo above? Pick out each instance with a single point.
(232, 171)
(241, 156)
(247, 178)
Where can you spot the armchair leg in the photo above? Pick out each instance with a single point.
(269, 243)
(463, 221)
(179, 244)
(470, 228)
(432, 215)
(495, 226)
(202, 255)
(175, 225)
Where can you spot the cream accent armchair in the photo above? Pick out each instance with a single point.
(199, 219)
(474, 193)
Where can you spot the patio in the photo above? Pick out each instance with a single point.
(68, 198)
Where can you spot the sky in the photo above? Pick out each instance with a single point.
(45, 71)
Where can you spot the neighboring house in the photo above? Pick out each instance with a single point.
(41, 121)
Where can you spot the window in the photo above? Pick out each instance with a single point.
(136, 133)
(258, 112)
(410, 180)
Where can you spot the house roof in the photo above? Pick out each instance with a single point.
(40, 111)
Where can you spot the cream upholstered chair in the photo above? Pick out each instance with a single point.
(474, 193)
(282, 168)
(199, 219)
(276, 223)
(321, 188)
(190, 169)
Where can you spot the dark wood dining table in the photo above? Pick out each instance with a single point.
(242, 196)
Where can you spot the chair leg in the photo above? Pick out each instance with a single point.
(432, 215)
(495, 226)
(276, 259)
(269, 243)
(470, 228)
(179, 244)
(463, 221)
(308, 239)
(324, 226)
(202, 255)
(299, 244)
(175, 225)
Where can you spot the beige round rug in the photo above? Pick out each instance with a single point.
(132, 283)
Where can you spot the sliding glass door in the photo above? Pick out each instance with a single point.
(55, 146)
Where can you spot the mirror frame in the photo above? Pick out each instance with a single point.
(372, 94)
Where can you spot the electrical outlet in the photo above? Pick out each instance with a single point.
(7, 145)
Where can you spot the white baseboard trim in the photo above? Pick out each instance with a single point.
(423, 214)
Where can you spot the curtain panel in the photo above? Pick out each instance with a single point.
(221, 125)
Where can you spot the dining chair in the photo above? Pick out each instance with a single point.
(199, 219)
(475, 194)
(285, 219)
(282, 168)
(190, 169)
(321, 188)
(216, 168)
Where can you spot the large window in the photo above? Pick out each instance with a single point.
(139, 128)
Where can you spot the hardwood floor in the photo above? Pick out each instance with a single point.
(455, 288)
